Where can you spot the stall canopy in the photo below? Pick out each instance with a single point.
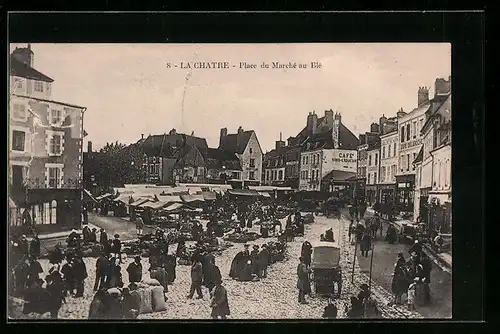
(104, 196)
(170, 199)
(338, 176)
(264, 194)
(174, 206)
(192, 198)
(209, 196)
(124, 198)
(269, 188)
(243, 192)
(159, 204)
(194, 190)
(140, 201)
(87, 196)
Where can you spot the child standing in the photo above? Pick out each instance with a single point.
(411, 294)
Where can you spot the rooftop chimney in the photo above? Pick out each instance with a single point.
(375, 128)
(24, 55)
(423, 95)
(280, 143)
(172, 132)
(400, 113)
(312, 123)
(142, 135)
(89, 147)
(442, 86)
(329, 117)
(240, 130)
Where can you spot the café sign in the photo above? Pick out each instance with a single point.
(410, 144)
(343, 160)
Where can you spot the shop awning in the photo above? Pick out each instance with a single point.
(243, 192)
(209, 196)
(104, 196)
(264, 194)
(192, 198)
(139, 202)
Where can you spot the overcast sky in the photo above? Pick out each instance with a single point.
(128, 89)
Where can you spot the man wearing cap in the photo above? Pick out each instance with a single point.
(303, 283)
(263, 261)
(116, 248)
(134, 270)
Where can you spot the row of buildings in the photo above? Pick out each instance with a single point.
(179, 158)
(405, 160)
(45, 150)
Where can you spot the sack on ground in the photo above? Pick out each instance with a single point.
(158, 297)
(150, 281)
(146, 305)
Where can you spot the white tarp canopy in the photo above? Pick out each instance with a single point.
(124, 198)
(140, 201)
(269, 188)
(104, 196)
(264, 194)
(170, 199)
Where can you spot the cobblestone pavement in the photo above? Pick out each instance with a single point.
(383, 297)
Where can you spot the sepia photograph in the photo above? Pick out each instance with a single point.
(255, 181)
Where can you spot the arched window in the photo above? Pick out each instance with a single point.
(53, 208)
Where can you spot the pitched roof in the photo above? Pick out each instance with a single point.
(167, 145)
(20, 69)
(437, 103)
(324, 139)
(216, 158)
(303, 132)
(232, 144)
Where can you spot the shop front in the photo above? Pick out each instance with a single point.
(49, 211)
(386, 193)
(405, 185)
(439, 213)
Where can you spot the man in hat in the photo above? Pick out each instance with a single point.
(80, 274)
(134, 270)
(303, 284)
(196, 278)
(116, 248)
(93, 235)
(417, 248)
(102, 271)
(219, 303)
(263, 261)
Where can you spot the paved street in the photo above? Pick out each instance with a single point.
(272, 298)
(383, 265)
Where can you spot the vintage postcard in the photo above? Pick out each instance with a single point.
(230, 181)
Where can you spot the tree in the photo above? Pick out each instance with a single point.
(119, 164)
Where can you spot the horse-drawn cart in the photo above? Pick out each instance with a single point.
(326, 269)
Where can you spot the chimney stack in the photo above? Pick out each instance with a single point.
(375, 128)
(142, 135)
(240, 130)
(280, 143)
(423, 95)
(400, 113)
(312, 123)
(442, 86)
(89, 147)
(24, 55)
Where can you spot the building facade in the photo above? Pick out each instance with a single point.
(275, 165)
(433, 163)
(372, 172)
(324, 153)
(388, 166)
(410, 142)
(45, 151)
(248, 150)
